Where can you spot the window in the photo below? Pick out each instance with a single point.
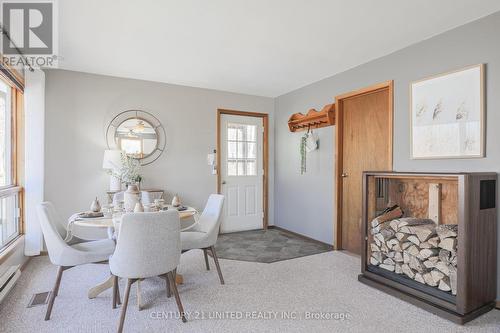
(241, 150)
(10, 191)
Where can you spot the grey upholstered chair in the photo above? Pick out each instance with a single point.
(148, 245)
(204, 234)
(64, 255)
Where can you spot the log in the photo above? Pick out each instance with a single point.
(389, 261)
(380, 239)
(387, 233)
(449, 244)
(416, 265)
(453, 280)
(437, 275)
(398, 257)
(402, 237)
(397, 247)
(445, 256)
(433, 241)
(398, 269)
(426, 245)
(374, 261)
(429, 264)
(387, 267)
(413, 250)
(394, 225)
(377, 241)
(408, 271)
(429, 279)
(380, 227)
(426, 253)
(413, 221)
(378, 256)
(444, 284)
(406, 258)
(414, 239)
(389, 213)
(447, 230)
(406, 245)
(419, 278)
(391, 254)
(391, 243)
(384, 248)
(424, 232)
(444, 268)
(374, 247)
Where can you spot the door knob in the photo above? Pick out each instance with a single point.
(223, 182)
(344, 174)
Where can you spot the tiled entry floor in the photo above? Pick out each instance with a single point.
(266, 246)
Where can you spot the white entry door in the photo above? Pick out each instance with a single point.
(242, 172)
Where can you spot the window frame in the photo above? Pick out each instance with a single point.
(16, 83)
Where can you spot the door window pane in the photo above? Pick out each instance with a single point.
(241, 150)
(5, 135)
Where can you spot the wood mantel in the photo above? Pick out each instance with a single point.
(313, 119)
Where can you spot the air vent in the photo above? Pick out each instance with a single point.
(39, 299)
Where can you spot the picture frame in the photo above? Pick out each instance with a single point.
(447, 115)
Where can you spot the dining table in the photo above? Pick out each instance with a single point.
(112, 224)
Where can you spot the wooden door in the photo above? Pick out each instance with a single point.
(364, 143)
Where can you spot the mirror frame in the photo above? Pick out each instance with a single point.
(144, 116)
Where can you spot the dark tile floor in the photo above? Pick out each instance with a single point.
(266, 246)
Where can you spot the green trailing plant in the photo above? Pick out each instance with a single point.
(303, 153)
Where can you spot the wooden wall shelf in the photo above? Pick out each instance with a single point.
(313, 119)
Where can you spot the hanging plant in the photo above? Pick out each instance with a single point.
(303, 152)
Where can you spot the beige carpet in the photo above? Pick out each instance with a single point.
(324, 282)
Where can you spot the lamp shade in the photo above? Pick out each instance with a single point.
(112, 159)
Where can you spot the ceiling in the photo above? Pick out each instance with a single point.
(259, 47)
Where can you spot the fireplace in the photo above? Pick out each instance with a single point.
(430, 239)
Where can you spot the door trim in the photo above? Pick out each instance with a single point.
(339, 106)
(265, 153)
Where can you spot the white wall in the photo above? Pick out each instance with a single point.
(311, 196)
(78, 107)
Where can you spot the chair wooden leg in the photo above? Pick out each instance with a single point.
(173, 285)
(54, 292)
(139, 295)
(125, 303)
(206, 259)
(167, 283)
(115, 290)
(216, 260)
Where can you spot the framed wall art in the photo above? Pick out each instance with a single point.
(447, 115)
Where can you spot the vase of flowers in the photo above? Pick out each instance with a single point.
(129, 174)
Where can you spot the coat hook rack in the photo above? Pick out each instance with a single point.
(313, 119)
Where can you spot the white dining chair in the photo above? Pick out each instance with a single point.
(148, 245)
(205, 232)
(66, 256)
(61, 227)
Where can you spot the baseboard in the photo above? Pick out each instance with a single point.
(300, 235)
(498, 305)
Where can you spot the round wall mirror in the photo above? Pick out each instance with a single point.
(138, 133)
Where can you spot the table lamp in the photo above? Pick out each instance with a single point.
(112, 161)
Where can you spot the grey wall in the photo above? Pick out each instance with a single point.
(311, 196)
(78, 108)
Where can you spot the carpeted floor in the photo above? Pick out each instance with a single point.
(291, 296)
(266, 246)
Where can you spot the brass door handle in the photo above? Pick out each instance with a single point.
(223, 182)
(344, 174)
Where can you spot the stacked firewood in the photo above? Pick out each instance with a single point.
(417, 248)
